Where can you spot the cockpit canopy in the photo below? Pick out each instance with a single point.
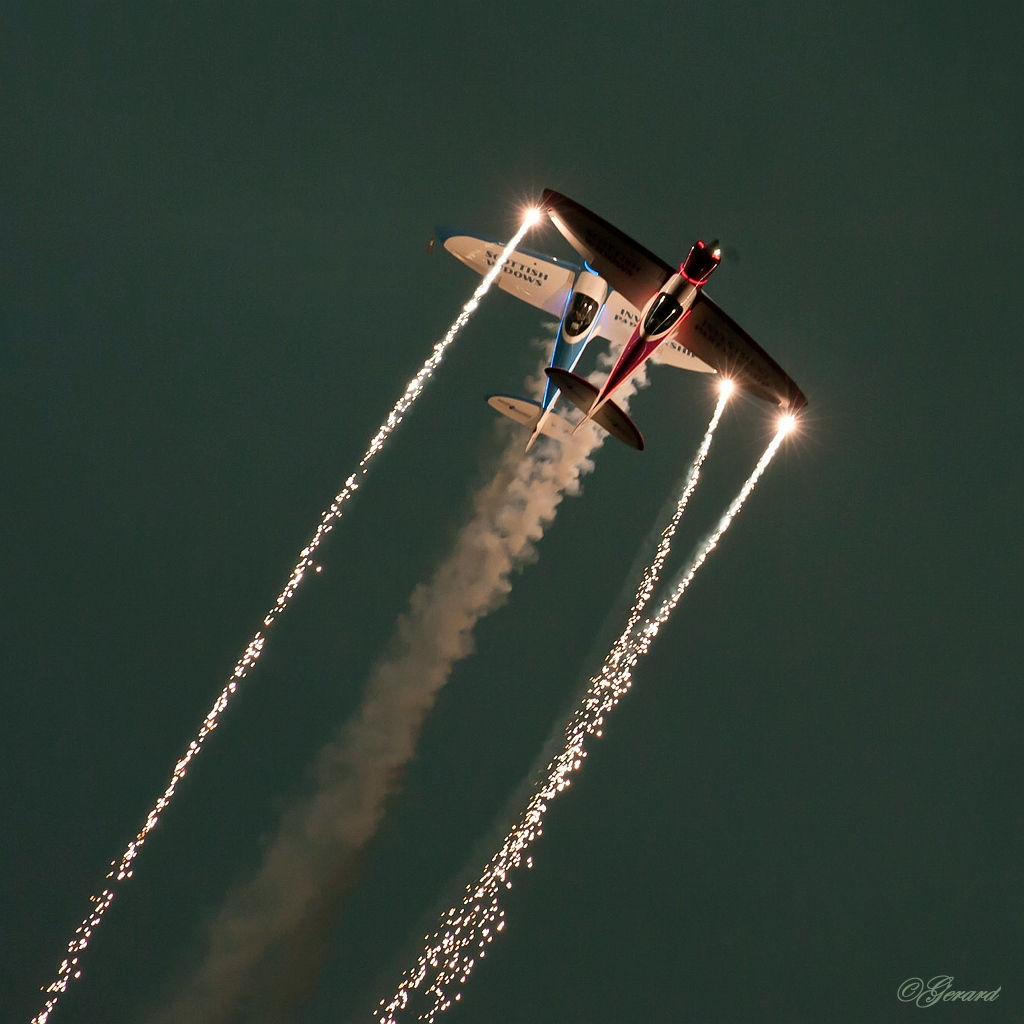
(699, 263)
(580, 315)
(662, 315)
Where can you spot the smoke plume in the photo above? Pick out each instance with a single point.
(265, 945)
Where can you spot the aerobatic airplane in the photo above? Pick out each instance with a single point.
(586, 307)
(675, 311)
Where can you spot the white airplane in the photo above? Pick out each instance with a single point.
(586, 308)
(676, 311)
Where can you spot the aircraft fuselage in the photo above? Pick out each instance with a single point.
(662, 314)
(582, 311)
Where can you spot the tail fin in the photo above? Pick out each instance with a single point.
(582, 394)
(527, 412)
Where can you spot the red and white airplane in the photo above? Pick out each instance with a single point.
(675, 309)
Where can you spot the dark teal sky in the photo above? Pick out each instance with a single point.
(214, 284)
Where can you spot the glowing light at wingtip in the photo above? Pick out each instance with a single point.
(122, 870)
(726, 387)
(532, 217)
(787, 423)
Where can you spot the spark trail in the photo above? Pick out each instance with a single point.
(121, 870)
(466, 930)
(684, 579)
(321, 837)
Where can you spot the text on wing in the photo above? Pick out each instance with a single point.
(527, 273)
(722, 342)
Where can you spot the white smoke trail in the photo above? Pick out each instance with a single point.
(466, 930)
(121, 871)
(320, 838)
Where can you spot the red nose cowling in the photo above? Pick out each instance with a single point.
(699, 264)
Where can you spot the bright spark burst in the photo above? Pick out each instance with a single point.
(122, 870)
(465, 931)
(532, 216)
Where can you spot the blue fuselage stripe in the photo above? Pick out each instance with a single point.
(567, 353)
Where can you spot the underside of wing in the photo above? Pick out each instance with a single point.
(627, 266)
(618, 318)
(671, 353)
(716, 339)
(543, 281)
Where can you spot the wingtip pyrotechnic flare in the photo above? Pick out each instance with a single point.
(726, 387)
(532, 216)
(787, 423)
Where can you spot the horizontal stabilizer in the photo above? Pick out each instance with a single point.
(582, 394)
(527, 412)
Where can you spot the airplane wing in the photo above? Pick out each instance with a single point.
(618, 318)
(671, 353)
(716, 339)
(626, 265)
(543, 281)
(707, 333)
